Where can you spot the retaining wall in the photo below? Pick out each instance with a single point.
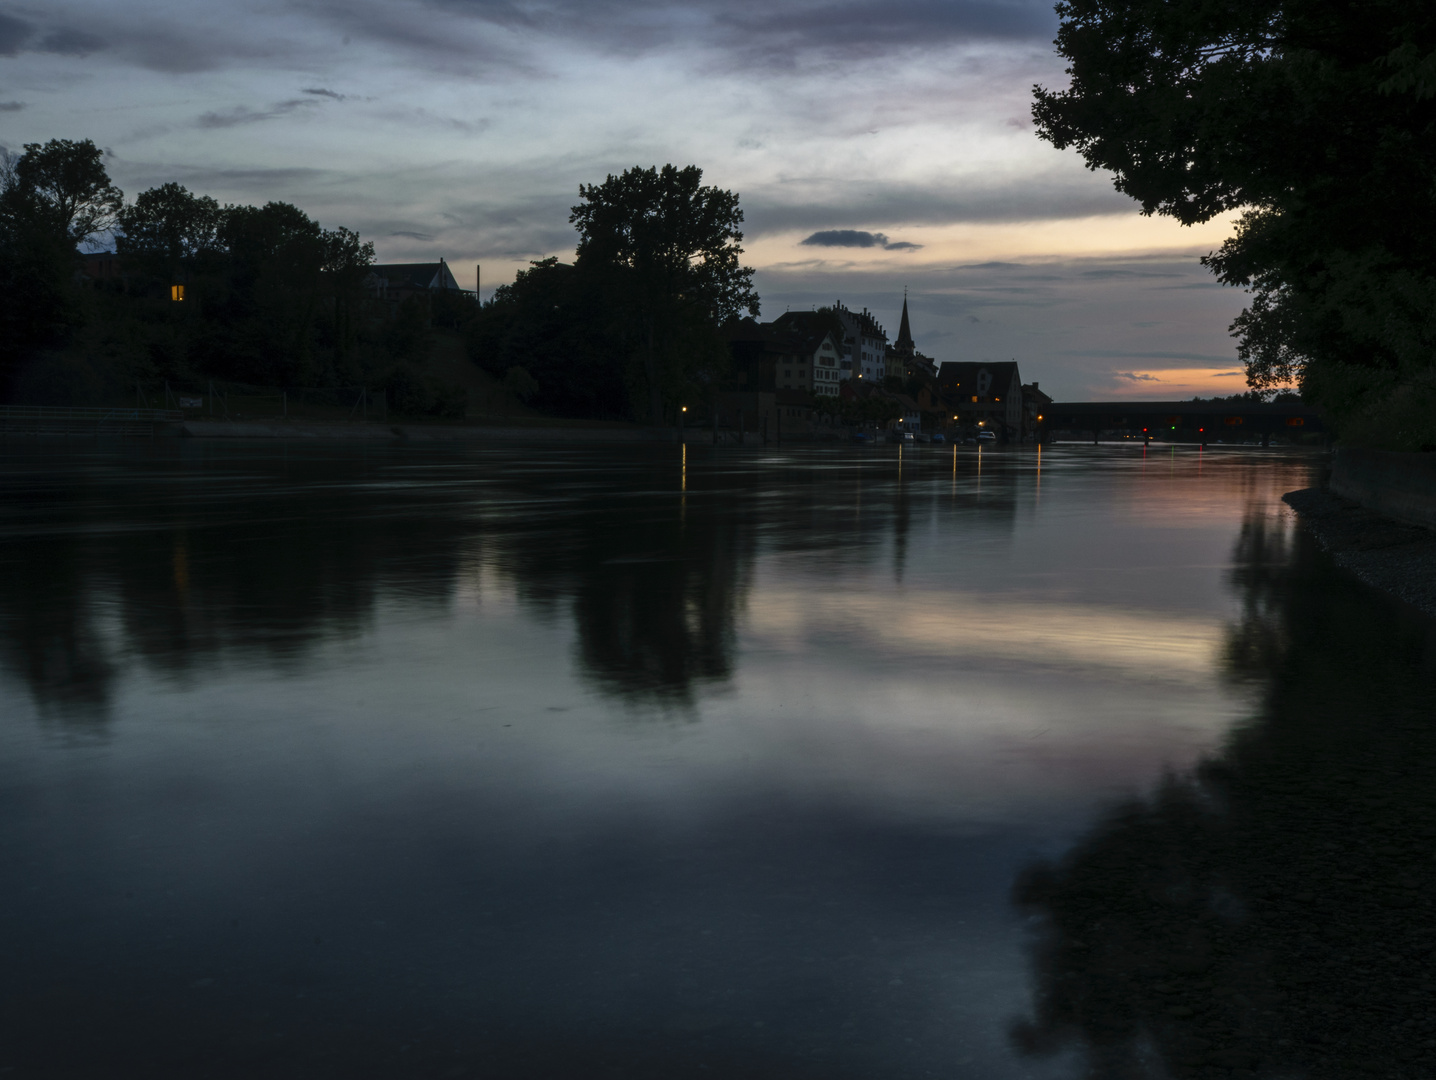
(1401, 486)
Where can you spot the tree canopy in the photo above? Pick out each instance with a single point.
(270, 296)
(67, 185)
(675, 244)
(167, 226)
(1313, 118)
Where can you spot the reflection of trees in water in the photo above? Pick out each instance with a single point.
(263, 566)
(1272, 913)
(268, 571)
(48, 633)
(655, 580)
(263, 577)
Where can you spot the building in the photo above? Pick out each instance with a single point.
(865, 343)
(904, 359)
(101, 265)
(986, 395)
(398, 281)
(1034, 406)
(810, 346)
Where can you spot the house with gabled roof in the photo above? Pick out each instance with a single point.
(809, 344)
(395, 281)
(983, 394)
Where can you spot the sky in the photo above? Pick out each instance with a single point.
(877, 148)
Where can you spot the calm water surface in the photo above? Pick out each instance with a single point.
(332, 761)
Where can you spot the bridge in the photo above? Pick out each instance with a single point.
(1183, 421)
(57, 420)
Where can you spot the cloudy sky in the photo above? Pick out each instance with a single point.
(877, 147)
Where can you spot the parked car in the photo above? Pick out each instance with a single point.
(862, 437)
(938, 437)
(970, 441)
(922, 436)
(984, 437)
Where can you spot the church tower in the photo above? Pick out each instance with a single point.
(904, 343)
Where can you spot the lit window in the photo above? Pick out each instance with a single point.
(176, 292)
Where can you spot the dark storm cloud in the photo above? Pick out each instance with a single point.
(11, 106)
(860, 28)
(421, 236)
(70, 42)
(1040, 198)
(1150, 355)
(319, 91)
(456, 36)
(457, 44)
(243, 114)
(858, 239)
(14, 33)
(18, 35)
(1108, 274)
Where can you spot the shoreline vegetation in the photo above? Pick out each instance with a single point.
(252, 312)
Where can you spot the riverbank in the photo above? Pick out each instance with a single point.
(420, 433)
(1394, 556)
(549, 431)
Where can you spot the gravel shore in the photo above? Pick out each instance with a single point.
(1394, 556)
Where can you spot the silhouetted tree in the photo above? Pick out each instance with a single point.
(168, 229)
(674, 246)
(52, 197)
(1315, 119)
(564, 326)
(68, 188)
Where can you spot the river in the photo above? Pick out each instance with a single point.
(388, 761)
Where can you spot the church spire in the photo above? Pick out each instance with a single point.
(904, 338)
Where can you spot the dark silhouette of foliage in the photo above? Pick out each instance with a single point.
(68, 189)
(674, 246)
(1315, 118)
(412, 393)
(50, 197)
(167, 230)
(561, 324)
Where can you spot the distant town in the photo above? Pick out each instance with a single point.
(817, 373)
(811, 371)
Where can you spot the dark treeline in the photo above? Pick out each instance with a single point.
(630, 329)
(269, 296)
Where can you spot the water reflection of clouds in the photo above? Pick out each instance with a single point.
(965, 628)
(411, 767)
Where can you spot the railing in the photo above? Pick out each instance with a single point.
(59, 420)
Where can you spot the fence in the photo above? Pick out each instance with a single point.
(56, 420)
